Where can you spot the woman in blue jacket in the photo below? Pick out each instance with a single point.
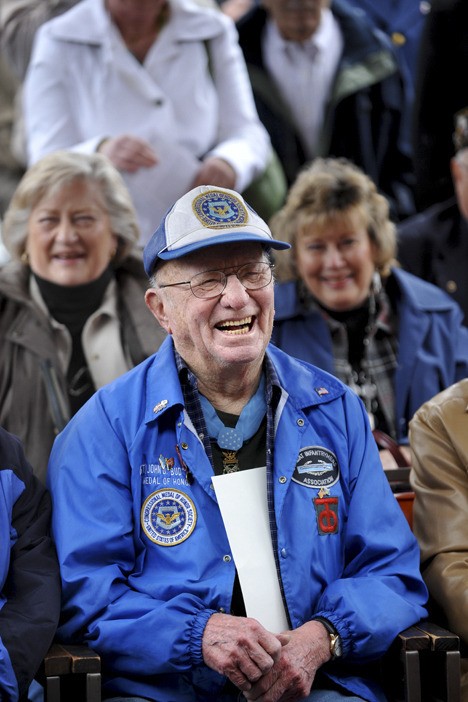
(344, 305)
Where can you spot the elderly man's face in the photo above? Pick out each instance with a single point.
(297, 20)
(231, 329)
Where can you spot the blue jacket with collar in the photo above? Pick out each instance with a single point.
(140, 587)
(432, 343)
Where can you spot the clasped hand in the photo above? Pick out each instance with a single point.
(266, 667)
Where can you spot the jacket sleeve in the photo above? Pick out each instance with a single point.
(380, 590)
(242, 140)
(439, 477)
(49, 121)
(31, 590)
(100, 561)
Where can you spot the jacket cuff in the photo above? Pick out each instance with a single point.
(341, 628)
(196, 637)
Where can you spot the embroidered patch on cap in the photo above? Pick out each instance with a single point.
(168, 517)
(216, 209)
(316, 467)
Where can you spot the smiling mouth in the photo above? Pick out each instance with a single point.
(239, 326)
(337, 281)
(70, 256)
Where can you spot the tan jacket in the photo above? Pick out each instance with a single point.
(439, 443)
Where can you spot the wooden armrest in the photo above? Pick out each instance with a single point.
(65, 659)
(399, 479)
(423, 663)
(440, 639)
(412, 639)
(398, 475)
(70, 673)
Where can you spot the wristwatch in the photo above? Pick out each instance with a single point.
(335, 638)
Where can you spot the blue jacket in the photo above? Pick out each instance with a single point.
(29, 575)
(141, 591)
(433, 344)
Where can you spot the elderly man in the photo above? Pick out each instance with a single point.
(222, 519)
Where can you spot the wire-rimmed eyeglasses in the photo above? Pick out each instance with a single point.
(208, 284)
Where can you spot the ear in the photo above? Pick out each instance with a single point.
(157, 306)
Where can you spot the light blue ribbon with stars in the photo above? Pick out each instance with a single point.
(247, 425)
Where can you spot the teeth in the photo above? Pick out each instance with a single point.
(237, 323)
(239, 326)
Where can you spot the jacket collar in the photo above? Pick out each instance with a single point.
(89, 22)
(418, 294)
(312, 387)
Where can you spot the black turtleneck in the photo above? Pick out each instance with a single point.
(72, 306)
(356, 322)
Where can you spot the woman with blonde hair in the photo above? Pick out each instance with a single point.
(72, 310)
(344, 304)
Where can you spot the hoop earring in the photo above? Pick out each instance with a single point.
(24, 258)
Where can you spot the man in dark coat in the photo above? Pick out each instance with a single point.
(434, 244)
(362, 112)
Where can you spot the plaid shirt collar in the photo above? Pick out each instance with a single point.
(189, 385)
(379, 361)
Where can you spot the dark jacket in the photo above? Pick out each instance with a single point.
(29, 572)
(432, 343)
(439, 94)
(434, 245)
(33, 389)
(363, 120)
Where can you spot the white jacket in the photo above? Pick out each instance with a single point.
(190, 98)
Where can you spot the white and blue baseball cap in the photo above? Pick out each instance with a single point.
(206, 216)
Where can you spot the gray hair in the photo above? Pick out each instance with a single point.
(61, 168)
(330, 189)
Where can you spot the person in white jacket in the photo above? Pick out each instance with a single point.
(159, 87)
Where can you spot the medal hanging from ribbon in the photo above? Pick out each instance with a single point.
(231, 439)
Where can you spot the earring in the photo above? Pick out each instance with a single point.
(24, 258)
(376, 283)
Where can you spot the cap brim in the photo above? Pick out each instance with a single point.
(223, 239)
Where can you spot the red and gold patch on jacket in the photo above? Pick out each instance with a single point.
(326, 510)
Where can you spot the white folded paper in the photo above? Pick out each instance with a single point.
(242, 499)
